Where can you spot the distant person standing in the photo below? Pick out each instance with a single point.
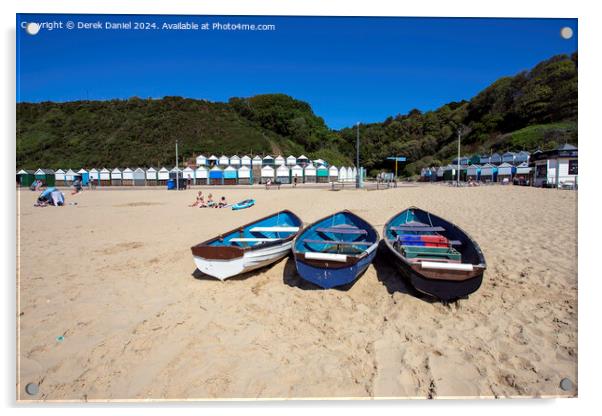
(294, 181)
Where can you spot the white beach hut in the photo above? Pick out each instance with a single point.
(267, 172)
(245, 161)
(297, 172)
(139, 177)
(283, 174)
(70, 176)
(188, 175)
(94, 176)
(256, 167)
(350, 177)
(151, 176)
(523, 169)
(343, 174)
(257, 161)
(200, 175)
(291, 161)
(267, 161)
(302, 161)
(333, 174)
(201, 160)
(105, 177)
(244, 175)
(488, 172)
(509, 157)
(473, 172)
(127, 177)
(555, 168)
(235, 161)
(354, 174)
(440, 172)
(116, 177)
(310, 173)
(162, 176)
(224, 161)
(279, 161)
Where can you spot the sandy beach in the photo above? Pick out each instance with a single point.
(115, 277)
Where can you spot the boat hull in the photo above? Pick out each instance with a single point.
(442, 289)
(445, 285)
(248, 261)
(328, 277)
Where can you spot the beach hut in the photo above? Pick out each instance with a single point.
(245, 161)
(350, 177)
(212, 160)
(116, 177)
(557, 168)
(489, 173)
(474, 160)
(309, 172)
(105, 177)
(318, 162)
(522, 157)
(224, 161)
(267, 172)
(505, 171)
(302, 161)
(235, 161)
(509, 157)
(216, 176)
(283, 174)
(440, 171)
(201, 160)
(433, 176)
(70, 176)
(297, 172)
(322, 174)
(267, 161)
(343, 174)
(333, 174)
(523, 174)
(256, 167)
(230, 175)
(162, 176)
(94, 176)
(354, 173)
(188, 175)
(59, 177)
(291, 161)
(25, 177)
(127, 177)
(151, 176)
(484, 159)
(139, 177)
(244, 175)
(464, 161)
(474, 172)
(279, 161)
(200, 175)
(449, 173)
(46, 176)
(84, 175)
(495, 159)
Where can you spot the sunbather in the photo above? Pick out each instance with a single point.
(222, 203)
(199, 199)
(210, 201)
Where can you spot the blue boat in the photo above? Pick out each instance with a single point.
(335, 250)
(247, 203)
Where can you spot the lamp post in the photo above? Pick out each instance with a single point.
(357, 156)
(177, 169)
(459, 138)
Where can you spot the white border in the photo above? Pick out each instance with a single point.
(590, 31)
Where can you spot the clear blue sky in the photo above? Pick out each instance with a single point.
(348, 69)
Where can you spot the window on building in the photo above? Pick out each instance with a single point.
(541, 171)
(573, 167)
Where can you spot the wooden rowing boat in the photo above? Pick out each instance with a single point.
(248, 247)
(335, 250)
(438, 257)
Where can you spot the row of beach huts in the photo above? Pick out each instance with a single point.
(540, 168)
(208, 171)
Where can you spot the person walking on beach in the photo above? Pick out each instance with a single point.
(268, 184)
(294, 181)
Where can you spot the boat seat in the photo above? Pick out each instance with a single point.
(325, 256)
(336, 242)
(452, 242)
(274, 229)
(342, 230)
(430, 252)
(417, 228)
(252, 240)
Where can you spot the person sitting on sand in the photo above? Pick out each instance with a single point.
(210, 201)
(222, 203)
(268, 184)
(199, 200)
(77, 187)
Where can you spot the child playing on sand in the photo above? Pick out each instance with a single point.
(222, 202)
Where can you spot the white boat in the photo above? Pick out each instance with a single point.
(249, 247)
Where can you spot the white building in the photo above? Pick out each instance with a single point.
(556, 168)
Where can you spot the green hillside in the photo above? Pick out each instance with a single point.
(533, 109)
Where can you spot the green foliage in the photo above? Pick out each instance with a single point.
(533, 109)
